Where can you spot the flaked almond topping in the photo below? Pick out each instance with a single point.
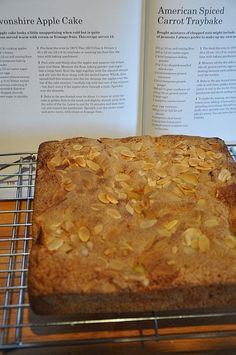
(151, 182)
(77, 146)
(138, 146)
(55, 161)
(179, 168)
(121, 195)
(84, 251)
(224, 175)
(65, 248)
(148, 166)
(178, 158)
(230, 241)
(122, 177)
(111, 198)
(186, 189)
(129, 208)
(179, 151)
(84, 234)
(81, 161)
(125, 186)
(92, 165)
(66, 162)
(147, 223)
(195, 239)
(93, 154)
(190, 179)
(54, 226)
(193, 162)
(113, 213)
(190, 234)
(218, 155)
(55, 244)
(127, 153)
(97, 206)
(163, 182)
(203, 243)
(205, 165)
(200, 153)
(138, 208)
(102, 196)
(134, 195)
(171, 224)
(161, 173)
(98, 228)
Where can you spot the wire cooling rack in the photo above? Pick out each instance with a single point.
(20, 328)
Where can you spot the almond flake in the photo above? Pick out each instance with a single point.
(200, 153)
(193, 162)
(92, 165)
(129, 208)
(138, 208)
(113, 213)
(171, 224)
(127, 153)
(125, 186)
(55, 244)
(147, 223)
(203, 243)
(134, 196)
(138, 146)
(97, 206)
(77, 146)
(224, 175)
(122, 177)
(148, 166)
(111, 198)
(161, 173)
(81, 161)
(98, 229)
(55, 161)
(190, 179)
(93, 154)
(151, 182)
(102, 196)
(84, 234)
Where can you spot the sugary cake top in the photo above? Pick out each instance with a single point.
(133, 214)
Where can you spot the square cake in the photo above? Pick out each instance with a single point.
(133, 224)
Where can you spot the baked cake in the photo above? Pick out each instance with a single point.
(133, 224)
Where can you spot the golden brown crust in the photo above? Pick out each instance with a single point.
(135, 219)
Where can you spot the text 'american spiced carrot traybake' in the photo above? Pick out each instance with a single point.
(133, 224)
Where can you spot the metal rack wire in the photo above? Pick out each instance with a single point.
(20, 328)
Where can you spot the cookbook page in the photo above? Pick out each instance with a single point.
(190, 68)
(68, 68)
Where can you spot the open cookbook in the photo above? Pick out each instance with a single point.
(116, 68)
